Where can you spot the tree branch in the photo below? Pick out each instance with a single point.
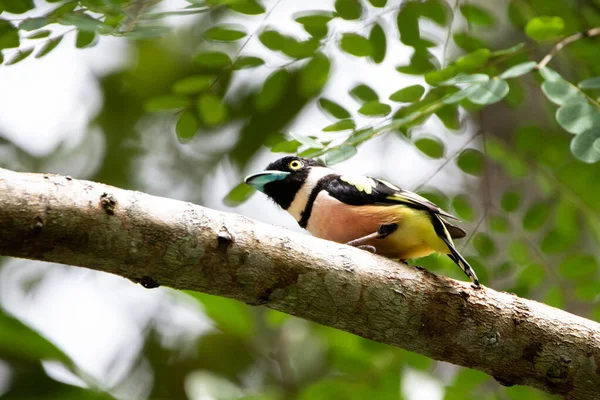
(154, 240)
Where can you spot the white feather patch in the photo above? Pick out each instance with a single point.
(303, 193)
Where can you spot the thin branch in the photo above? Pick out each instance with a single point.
(566, 41)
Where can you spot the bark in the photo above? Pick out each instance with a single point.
(159, 241)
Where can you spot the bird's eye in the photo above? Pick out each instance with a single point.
(296, 165)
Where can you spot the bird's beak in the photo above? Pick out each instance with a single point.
(260, 179)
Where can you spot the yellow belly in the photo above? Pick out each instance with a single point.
(339, 222)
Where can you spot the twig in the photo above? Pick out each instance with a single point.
(566, 41)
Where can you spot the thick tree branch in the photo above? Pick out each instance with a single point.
(154, 240)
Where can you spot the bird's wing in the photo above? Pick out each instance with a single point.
(361, 190)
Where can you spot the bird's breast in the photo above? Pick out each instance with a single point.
(334, 220)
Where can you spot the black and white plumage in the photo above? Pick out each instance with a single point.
(361, 211)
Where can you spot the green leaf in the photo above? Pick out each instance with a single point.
(489, 92)
(378, 3)
(449, 116)
(314, 75)
(364, 93)
(339, 154)
(348, 9)
(248, 7)
(430, 146)
(18, 340)
(17, 6)
(360, 136)
(484, 245)
(272, 40)
(473, 78)
(476, 15)
(192, 84)
(211, 109)
(378, 43)
(510, 201)
(187, 125)
(84, 39)
(31, 24)
(247, 62)
(9, 35)
(549, 74)
(83, 22)
(462, 207)
(509, 51)
(499, 223)
(300, 49)
(590, 83)
(471, 161)
(473, 60)
(19, 56)
(468, 42)
(536, 216)
(421, 62)
(272, 90)
(586, 145)
(518, 70)
(578, 117)
(167, 102)
(435, 10)
(375, 109)
(560, 92)
(435, 78)
(238, 195)
(141, 32)
(333, 108)
(286, 146)
(458, 96)
(578, 266)
(519, 252)
(212, 59)
(315, 24)
(224, 33)
(39, 34)
(356, 45)
(408, 94)
(408, 24)
(341, 125)
(48, 47)
(544, 28)
(532, 275)
(161, 15)
(307, 141)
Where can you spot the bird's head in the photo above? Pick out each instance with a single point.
(283, 178)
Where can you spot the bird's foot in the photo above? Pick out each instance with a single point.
(368, 247)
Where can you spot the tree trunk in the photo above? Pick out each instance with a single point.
(158, 241)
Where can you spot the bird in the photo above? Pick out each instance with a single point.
(361, 211)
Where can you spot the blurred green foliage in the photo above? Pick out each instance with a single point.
(534, 212)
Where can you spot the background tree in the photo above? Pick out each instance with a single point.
(493, 105)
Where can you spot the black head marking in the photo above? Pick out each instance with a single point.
(283, 191)
(283, 164)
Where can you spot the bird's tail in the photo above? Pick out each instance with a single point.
(463, 264)
(454, 254)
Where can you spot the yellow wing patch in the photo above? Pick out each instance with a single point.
(362, 183)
